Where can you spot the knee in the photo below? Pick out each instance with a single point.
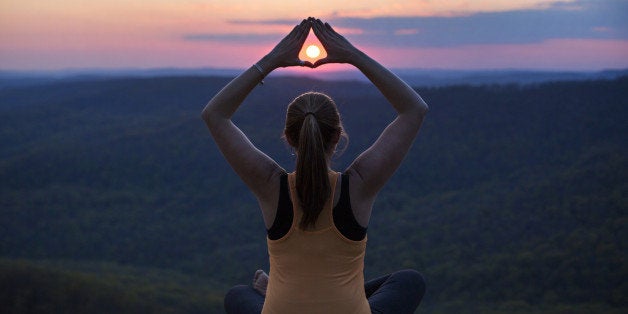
(232, 298)
(413, 281)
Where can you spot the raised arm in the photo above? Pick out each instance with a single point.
(377, 164)
(255, 168)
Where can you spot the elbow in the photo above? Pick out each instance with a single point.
(205, 115)
(423, 108)
(209, 113)
(422, 105)
(213, 118)
(209, 116)
(419, 111)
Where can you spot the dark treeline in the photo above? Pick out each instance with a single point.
(513, 198)
(44, 287)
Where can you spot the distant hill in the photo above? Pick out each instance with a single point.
(514, 198)
(415, 77)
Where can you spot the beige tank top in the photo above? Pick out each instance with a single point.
(316, 271)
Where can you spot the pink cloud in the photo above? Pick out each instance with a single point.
(406, 31)
(563, 54)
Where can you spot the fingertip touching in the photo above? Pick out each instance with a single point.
(320, 62)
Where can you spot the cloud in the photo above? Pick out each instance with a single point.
(578, 20)
(248, 38)
(406, 31)
(264, 22)
(581, 19)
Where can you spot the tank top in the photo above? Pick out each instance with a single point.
(315, 271)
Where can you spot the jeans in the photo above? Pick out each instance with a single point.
(398, 293)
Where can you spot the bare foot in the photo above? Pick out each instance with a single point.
(260, 282)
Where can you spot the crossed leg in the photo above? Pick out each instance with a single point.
(400, 292)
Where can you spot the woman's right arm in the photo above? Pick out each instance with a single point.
(258, 171)
(378, 163)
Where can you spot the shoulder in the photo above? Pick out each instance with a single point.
(268, 195)
(360, 201)
(357, 184)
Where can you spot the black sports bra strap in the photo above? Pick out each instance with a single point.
(344, 220)
(284, 215)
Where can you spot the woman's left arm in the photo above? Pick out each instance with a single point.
(255, 168)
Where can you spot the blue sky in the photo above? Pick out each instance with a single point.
(582, 19)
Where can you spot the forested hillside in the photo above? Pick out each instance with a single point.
(513, 198)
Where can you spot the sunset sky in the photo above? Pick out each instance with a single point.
(427, 34)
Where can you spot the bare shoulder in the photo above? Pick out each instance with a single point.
(268, 196)
(361, 200)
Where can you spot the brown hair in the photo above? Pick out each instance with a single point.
(313, 128)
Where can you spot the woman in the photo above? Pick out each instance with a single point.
(317, 218)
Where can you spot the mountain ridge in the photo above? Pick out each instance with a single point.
(510, 195)
(414, 77)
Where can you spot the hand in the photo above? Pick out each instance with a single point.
(286, 53)
(338, 49)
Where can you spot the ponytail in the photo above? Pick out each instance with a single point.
(313, 129)
(312, 181)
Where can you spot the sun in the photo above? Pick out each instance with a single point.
(312, 51)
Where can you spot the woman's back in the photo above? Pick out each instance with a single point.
(317, 270)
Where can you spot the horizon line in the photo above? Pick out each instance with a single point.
(283, 71)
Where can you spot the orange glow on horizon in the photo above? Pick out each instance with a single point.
(40, 35)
